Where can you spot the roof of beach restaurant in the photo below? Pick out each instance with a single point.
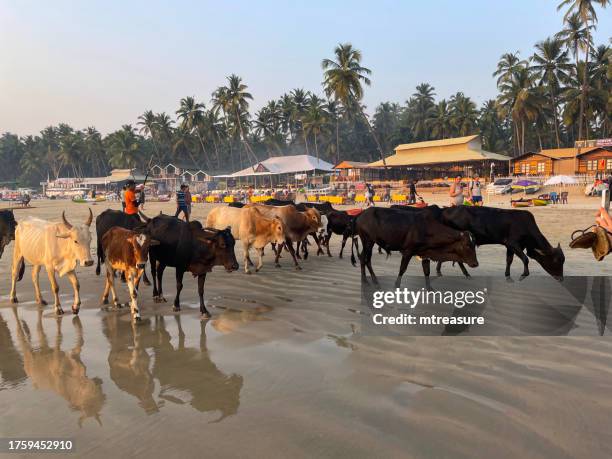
(559, 153)
(117, 175)
(284, 165)
(460, 149)
(351, 165)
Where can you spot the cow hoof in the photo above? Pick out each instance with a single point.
(439, 273)
(247, 272)
(298, 268)
(523, 276)
(76, 311)
(176, 308)
(59, 311)
(137, 318)
(509, 280)
(276, 264)
(147, 282)
(104, 300)
(14, 300)
(205, 316)
(42, 302)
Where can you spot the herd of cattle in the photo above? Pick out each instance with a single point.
(126, 242)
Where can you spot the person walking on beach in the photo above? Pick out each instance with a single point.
(369, 195)
(130, 202)
(456, 192)
(476, 191)
(122, 194)
(181, 204)
(188, 199)
(412, 193)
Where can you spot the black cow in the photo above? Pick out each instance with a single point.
(187, 247)
(515, 229)
(7, 229)
(338, 222)
(237, 204)
(411, 234)
(109, 219)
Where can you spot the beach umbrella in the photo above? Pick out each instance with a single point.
(523, 184)
(561, 180)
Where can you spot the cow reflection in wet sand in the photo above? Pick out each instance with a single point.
(52, 369)
(185, 375)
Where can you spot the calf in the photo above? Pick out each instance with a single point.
(249, 226)
(298, 225)
(7, 229)
(411, 234)
(338, 222)
(126, 251)
(187, 247)
(57, 247)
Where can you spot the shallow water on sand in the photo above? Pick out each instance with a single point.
(282, 369)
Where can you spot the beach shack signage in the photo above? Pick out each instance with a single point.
(594, 143)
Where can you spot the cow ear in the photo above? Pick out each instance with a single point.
(61, 235)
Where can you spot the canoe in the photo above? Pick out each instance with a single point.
(521, 204)
(539, 202)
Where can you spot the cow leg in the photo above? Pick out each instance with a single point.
(76, 306)
(260, 252)
(439, 268)
(289, 246)
(110, 276)
(154, 276)
(326, 242)
(518, 251)
(203, 310)
(179, 289)
(509, 258)
(54, 289)
(35, 277)
(145, 279)
(402, 270)
(15, 271)
(463, 270)
(369, 265)
(107, 285)
(245, 249)
(160, 294)
(131, 281)
(426, 264)
(304, 247)
(318, 242)
(277, 252)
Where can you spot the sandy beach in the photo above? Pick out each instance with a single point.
(282, 368)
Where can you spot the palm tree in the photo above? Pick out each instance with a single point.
(343, 80)
(419, 109)
(315, 120)
(508, 64)
(440, 122)
(148, 124)
(300, 106)
(588, 16)
(463, 114)
(191, 114)
(552, 67)
(124, 147)
(94, 149)
(164, 129)
(491, 127)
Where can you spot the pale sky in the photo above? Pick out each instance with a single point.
(103, 63)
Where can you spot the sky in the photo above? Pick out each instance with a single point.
(103, 63)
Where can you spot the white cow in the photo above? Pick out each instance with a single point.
(57, 247)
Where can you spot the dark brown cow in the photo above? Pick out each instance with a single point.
(126, 251)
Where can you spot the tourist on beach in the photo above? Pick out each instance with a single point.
(412, 193)
(188, 199)
(475, 191)
(369, 195)
(181, 204)
(130, 203)
(456, 192)
(123, 190)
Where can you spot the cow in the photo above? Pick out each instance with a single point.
(249, 226)
(7, 229)
(338, 222)
(515, 229)
(412, 234)
(62, 372)
(236, 204)
(187, 247)
(298, 225)
(126, 251)
(109, 219)
(57, 247)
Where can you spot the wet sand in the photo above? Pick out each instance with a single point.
(282, 368)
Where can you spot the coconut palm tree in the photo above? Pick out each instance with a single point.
(440, 122)
(585, 9)
(343, 79)
(491, 127)
(124, 147)
(551, 64)
(419, 109)
(315, 121)
(191, 114)
(164, 129)
(148, 124)
(508, 64)
(464, 115)
(300, 107)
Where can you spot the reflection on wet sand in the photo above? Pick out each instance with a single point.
(50, 368)
(185, 375)
(11, 363)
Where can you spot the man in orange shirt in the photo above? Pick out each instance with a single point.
(131, 203)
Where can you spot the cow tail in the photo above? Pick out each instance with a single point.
(21, 269)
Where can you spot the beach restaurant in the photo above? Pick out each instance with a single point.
(589, 160)
(438, 159)
(280, 170)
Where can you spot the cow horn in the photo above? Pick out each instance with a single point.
(68, 225)
(90, 219)
(144, 217)
(558, 245)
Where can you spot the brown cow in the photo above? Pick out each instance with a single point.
(298, 225)
(126, 251)
(251, 227)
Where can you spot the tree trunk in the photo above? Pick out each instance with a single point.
(316, 146)
(584, 83)
(556, 122)
(305, 138)
(206, 159)
(337, 140)
(382, 155)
